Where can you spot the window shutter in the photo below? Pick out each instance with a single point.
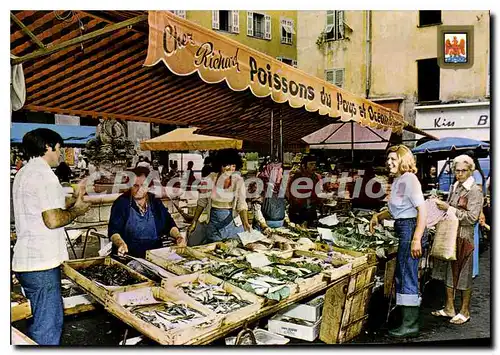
(267, 27)
(330, 17)
(488, 79)
(215, 19)
(294, 63)
(235, 15)
(283, 38)
(329, 76)
(339, 77)
(249, 23)
(341, 24)
(180, 13)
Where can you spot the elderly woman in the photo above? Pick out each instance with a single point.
(407, 208)
(465, 202)
(224, 200)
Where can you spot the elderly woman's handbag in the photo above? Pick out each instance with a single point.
(445, 241)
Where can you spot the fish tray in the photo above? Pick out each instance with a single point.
(303, 284)
(361, 258)
(209, 249)
(116, 304)
(71, 270)
(229, 318)
(332, 274)
(160, 258)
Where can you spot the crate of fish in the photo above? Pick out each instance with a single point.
(333, 266)
(271, 247)
(223, 251)
(300, 271)
(251, 280)
(181, 260)
(360, 258)
(102, 275)
(168, 318)
(221, 297)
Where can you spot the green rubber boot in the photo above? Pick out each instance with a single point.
(410, 325)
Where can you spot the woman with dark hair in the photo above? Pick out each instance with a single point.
(223, 195)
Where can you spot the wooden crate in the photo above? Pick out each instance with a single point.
(160, 258)
(177, 336)
(346, 305)
(19, 338)
(208, 250)
(361, 258)
(229, 318)
(71, 270)
(20, 307)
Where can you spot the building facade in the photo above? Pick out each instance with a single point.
(269, 32)
(391, 57)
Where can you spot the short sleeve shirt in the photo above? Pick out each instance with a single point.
(406, 196)
(36, 189)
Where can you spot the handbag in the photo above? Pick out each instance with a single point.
(444, 246)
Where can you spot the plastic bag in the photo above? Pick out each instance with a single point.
(444, 246)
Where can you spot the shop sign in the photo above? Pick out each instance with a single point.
(185, 48)
(454, 118)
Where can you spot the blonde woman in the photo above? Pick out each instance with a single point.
(465, 201)
(407, 208)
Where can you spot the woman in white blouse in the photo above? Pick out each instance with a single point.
(223, 195)
(407, 208)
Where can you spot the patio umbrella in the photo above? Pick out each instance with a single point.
(451, 147)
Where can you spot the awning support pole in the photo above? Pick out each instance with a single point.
(272, 150)
(352, 143)
(281, 140)
(78, 40)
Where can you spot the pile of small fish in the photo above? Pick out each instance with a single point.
(291, 271)
(167, 315)
(214, 297)
(69, 289)
(228, 253)
(109, 275)
(194, 265)
(262, 285)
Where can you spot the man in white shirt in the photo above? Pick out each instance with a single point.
(40, 213)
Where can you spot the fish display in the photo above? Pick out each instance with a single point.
(109, 275)
(255, 282)
(166, 316)
(214, 297)
(288, 270)
(69, 289)
(193, 265)
(229, 253)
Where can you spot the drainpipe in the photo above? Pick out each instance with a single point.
(368, 63)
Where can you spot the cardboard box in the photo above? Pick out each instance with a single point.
(280, 324)
(310, 311)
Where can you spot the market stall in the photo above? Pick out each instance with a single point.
(225, 88)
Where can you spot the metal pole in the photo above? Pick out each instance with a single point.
(352, 143)
(272, 121)
(281, 140)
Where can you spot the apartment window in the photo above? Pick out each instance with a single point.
(428, 80)
(180, 13)
(334, 29)
(287, 30)
(288, 61)
(335, 76)
(258, 25)
(429, 18)
(226, 20)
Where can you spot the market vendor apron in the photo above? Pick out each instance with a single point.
(221, 226)
(140, 233)
(406, 275)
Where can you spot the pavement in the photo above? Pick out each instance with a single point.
(99, 328)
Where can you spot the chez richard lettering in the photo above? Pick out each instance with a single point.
(172, 40)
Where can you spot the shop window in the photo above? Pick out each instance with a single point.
(334, 29)
(335, 76)
(287, 31)
(258, 25)
(429, 18)
(428, 80)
